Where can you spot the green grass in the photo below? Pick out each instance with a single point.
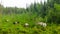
(10, 28)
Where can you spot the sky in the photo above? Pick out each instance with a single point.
(18, 3)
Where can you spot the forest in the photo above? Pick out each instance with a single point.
(13, 19)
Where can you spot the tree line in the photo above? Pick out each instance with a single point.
(50, 10)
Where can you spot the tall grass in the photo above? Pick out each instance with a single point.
(7, 27)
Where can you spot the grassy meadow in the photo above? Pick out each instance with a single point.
(8, 27)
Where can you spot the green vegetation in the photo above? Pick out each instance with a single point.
(48, 13)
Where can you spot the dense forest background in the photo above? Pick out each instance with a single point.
(49, 11)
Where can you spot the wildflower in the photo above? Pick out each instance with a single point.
(15, 22)
(42, 24)
(26, 24)
(6, 20)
